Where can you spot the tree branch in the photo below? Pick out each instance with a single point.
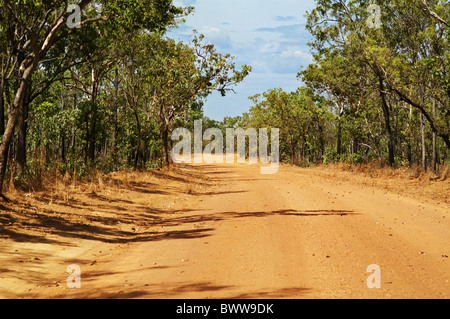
(434, 15)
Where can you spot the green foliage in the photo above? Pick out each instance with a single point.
(95, 103)
(299, 115)
(331, 156)
(380, 80)
(108, 95)
(355, 158)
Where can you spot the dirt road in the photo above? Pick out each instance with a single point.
(300, 233)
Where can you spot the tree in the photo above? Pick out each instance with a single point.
(405, 59)
(293, 113)
(180, 74)
(32, 29)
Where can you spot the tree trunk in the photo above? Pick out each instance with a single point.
(93, 127)
(138, 125)
(13, 117)
(21, 141)
(21, 145)
(2, 107)
(74, 106)
(87, 139)
(322, 144)
(424, 150)
(291, 144)
(116, 124)
(339, 141)
(62, 129)
(434, 155)
(63, 147)
(444, 136)
(387, 121)
(165, 142)
(409, 153)
(92, 134)
(339, 131)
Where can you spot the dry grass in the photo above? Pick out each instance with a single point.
(411, 181)
(373, 170)
(67, 187)
(189, 181)
(109, 207)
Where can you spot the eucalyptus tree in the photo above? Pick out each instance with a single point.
(404, 57)
(294, 113)
(32, 29)
(180, 74)
(342, 34)
(415, 58)
(342, 81)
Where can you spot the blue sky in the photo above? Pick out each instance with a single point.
(268, 35)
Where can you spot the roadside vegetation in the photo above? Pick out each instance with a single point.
(105, 96)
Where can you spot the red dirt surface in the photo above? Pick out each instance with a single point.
(226, 231)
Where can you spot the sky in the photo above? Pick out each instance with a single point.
(268, 35)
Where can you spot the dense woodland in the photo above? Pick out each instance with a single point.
(377, 90)
(106, 93)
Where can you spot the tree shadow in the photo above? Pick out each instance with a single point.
(62, 229)
(103, 220)
(282, 293)
(177, 290)
(214, 193)
(37, 227)
(208, 217)
(302, 213)
(184, 176)
(116, 220)
(135, 186)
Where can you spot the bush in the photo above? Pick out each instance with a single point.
(331, 156)
(356, 158)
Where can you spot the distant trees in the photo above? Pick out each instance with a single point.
(39, 47)
(103, 93)
(107, 93)
(375, 91)
(181, 74)
(401, 66)
(297, 116)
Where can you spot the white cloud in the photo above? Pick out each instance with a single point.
(268, 35)
(184, 3)
(217, 36)
(284, 19)
(217, 107)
